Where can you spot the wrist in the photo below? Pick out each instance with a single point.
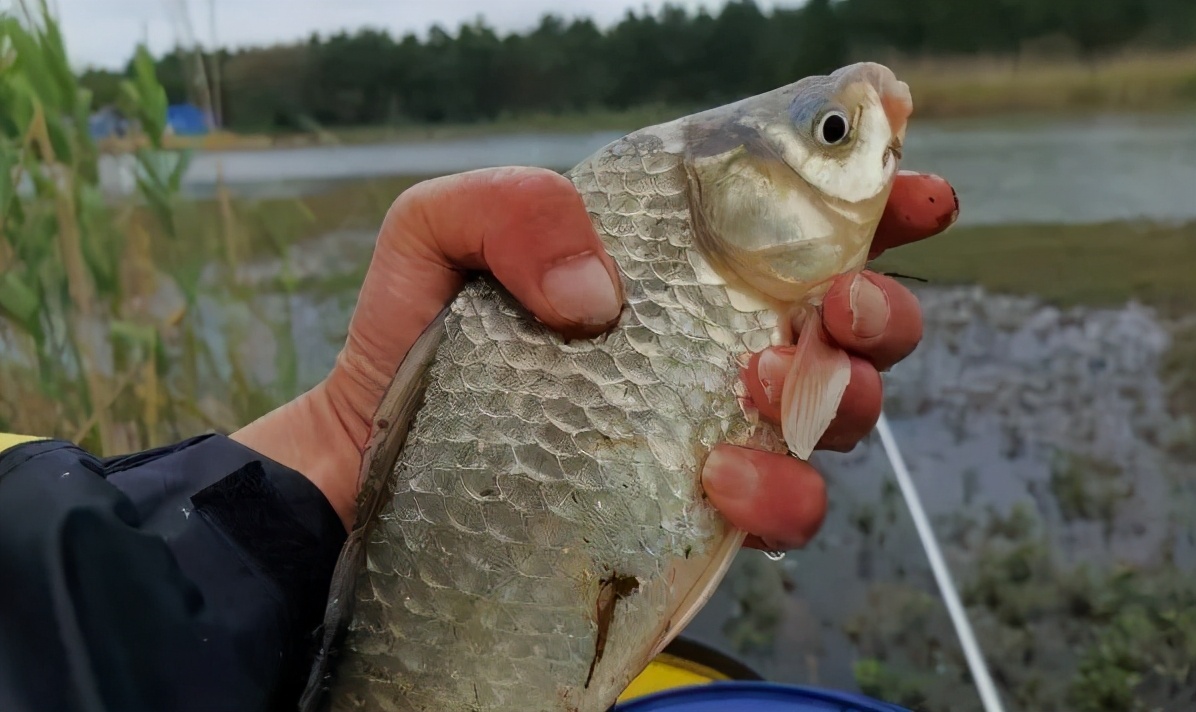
(318, 436)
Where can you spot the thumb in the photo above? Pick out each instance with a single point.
(526, 226)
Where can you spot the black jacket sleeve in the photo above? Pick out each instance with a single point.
(187, 578)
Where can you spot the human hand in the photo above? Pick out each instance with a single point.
(529, 228)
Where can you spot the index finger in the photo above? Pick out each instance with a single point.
(920, 205)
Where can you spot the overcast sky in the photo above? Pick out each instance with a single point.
(104, 32)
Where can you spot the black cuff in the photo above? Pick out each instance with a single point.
(276, 523)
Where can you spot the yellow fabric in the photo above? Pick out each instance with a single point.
(11, 440)
(667, 672)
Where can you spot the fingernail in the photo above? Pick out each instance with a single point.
(771, 369)
(730, 477)
(869, 308)
(946, 220)
(580, 289)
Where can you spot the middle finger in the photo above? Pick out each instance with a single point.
(874, 317)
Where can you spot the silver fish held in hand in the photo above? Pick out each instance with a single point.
(532, 529)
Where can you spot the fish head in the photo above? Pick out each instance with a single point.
(787, 187)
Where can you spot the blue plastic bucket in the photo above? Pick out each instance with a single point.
(754, 697)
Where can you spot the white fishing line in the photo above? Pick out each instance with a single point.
(959, 617)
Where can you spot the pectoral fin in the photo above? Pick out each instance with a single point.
(813, 388)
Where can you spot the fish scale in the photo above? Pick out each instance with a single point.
(583, 490)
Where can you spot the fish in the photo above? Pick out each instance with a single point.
(531, 529)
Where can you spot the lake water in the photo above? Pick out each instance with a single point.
(1074, 170)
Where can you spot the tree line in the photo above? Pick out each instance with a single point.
(671, 57)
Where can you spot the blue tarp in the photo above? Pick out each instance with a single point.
(186, 120)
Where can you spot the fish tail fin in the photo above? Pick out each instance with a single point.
(813, 388)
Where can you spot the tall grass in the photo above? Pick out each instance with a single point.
(103, 334)
(987, 86)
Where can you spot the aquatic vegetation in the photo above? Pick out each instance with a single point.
(877, 680)
(101, 297)
(1142, 658)
(1117, 638)
(905, 650)
(1179, 372)
(1058, 635)
(1087, 488)
(757, 589)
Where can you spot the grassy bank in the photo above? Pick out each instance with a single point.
(598, 120)
(992, 87)
(1102, 265)
(262, 227)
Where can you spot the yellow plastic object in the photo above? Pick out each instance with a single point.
(11, 440)
(667, 672)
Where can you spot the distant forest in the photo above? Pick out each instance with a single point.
(673, 57)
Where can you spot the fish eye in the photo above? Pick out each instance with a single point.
(832, 128)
